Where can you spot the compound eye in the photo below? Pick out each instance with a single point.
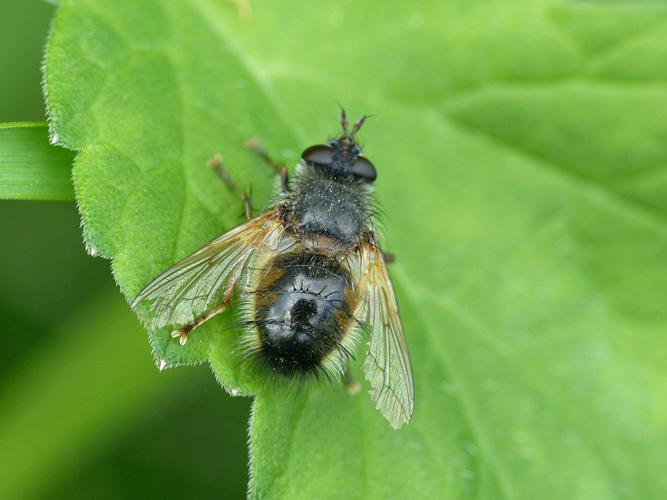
(319, 154)
(362, 167)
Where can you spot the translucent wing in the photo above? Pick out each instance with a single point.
(189, 288)
(387, 366)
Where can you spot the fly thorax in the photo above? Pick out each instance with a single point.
(326, 207)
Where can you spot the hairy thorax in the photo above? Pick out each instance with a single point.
(328, 212)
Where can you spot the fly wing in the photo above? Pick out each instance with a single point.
(387, 366)
(189, 288)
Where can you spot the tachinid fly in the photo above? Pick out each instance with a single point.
(311, 275)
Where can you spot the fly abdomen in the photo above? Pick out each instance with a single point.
(302, 311)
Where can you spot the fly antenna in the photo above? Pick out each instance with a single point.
(358, 124)
(343, 119)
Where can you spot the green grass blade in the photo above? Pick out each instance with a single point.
(30, 168)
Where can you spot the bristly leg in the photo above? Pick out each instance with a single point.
(215, 163)
(254, 145)
(389, 258)
(353, 386)
(182, 334)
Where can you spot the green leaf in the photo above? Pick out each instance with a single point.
(521, 150)
(31, 168)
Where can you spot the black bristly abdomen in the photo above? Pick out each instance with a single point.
(302, 312)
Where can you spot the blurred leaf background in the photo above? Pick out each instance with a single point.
(78, 420)
(543, 361)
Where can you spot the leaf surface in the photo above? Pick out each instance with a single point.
(521, 152)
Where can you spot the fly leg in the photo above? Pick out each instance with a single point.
(215, 164)
(353, 386)
(389, 258)
(182, 333)
(254, 145)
